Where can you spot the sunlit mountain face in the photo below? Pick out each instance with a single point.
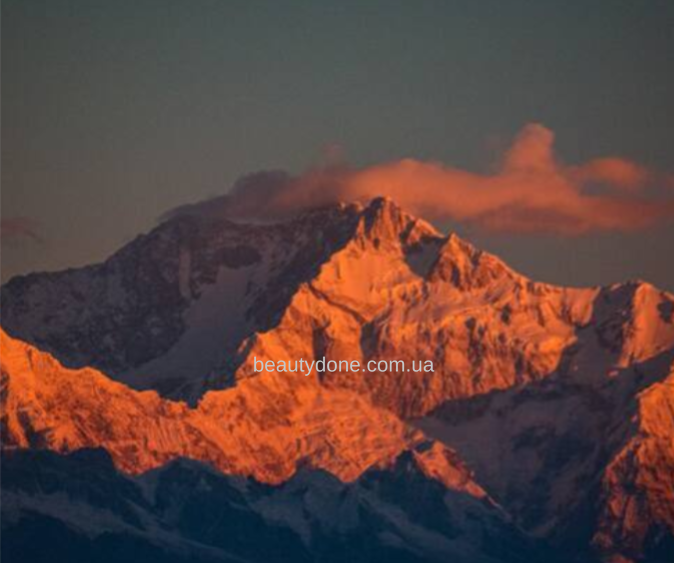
(135, 425)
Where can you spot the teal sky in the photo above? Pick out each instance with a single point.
(114, 112)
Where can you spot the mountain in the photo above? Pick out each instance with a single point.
(560, 399)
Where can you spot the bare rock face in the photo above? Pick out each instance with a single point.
(558, 398)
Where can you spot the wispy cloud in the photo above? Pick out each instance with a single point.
(19, 228)
(531, 191)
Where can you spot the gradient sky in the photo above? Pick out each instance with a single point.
(114, 112)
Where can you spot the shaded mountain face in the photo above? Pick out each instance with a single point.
(558, 398)
(174, 305)
(186, 511)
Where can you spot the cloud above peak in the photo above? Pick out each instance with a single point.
(530, 192)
